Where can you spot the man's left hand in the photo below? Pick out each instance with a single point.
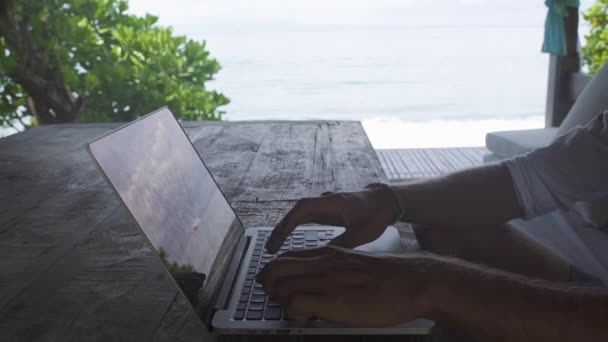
(338, 284)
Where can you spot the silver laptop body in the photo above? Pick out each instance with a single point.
(170, 194)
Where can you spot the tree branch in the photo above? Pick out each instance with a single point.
(42, 80)
(21, 121)
(10, 123)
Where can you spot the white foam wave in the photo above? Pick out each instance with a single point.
(395, 133)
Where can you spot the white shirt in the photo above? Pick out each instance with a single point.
(573, 168)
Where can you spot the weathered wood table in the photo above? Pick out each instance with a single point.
(74, 267)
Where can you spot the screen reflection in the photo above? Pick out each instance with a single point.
(161, 179)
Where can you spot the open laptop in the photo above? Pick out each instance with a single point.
(170, 194)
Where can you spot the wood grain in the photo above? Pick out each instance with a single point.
(74, 267)
(415, 163)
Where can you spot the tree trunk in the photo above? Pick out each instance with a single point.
(50, 100)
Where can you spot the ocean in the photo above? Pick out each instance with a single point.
(424, 73)
(407, 85)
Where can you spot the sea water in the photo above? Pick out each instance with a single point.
(424, 73)
(410, 87)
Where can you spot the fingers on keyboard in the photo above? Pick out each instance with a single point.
(253, 303)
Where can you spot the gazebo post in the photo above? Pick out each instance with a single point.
(564, 81)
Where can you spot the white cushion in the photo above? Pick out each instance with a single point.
(507, 144)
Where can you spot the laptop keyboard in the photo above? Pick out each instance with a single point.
(254, 304)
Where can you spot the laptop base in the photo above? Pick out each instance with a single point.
(222, 324)
(224, 321)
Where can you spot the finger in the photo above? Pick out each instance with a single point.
(301, 306)
(309, 252)
(328, 283)
(285, 287)
(290, 267)
(348, 239)
(306, 210)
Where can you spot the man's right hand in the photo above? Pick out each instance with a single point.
(364, 214)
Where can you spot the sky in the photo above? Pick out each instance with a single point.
(194, 17)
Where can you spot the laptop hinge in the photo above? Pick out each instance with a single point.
(232, 273)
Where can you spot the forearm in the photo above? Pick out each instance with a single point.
(475, 197)
(493, 305)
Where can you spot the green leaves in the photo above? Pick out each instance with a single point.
(595, 51)
(123, 66)
(12, 105)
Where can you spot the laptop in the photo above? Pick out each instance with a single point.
(172, 197)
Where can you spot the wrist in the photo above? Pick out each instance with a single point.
(387, 199)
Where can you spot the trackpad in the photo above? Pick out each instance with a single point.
(389, 241)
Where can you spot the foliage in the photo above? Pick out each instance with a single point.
(12, 102)
(90, 61)
(172, 266)
(595, 51)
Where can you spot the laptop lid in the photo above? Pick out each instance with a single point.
(169, 192)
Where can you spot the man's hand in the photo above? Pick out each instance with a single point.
(349, 286)
(365, 215)
(338, 284)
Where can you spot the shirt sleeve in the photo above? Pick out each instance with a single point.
(573, 168)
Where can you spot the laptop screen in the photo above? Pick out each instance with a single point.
(170, 193)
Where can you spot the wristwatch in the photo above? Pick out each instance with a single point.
(400, 215)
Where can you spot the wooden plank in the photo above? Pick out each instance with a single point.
(468, 157)
(401, 167)
(405, 164)
(445, 157)
(229, 152)
(354, 166)
(31, 239)
(178, 324)
(426, 165)
(436, 163)
(413, 164)
(75, 268)
(397, 166)
(416, 164)
(286, 167)
(23, 168)
(49, 141)
(109, 285)
(283, 165)
(261, 213)
(459, 160)
(392, 171)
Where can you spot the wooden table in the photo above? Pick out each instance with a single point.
(74, 267)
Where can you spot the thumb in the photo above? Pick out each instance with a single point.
(348, 239)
